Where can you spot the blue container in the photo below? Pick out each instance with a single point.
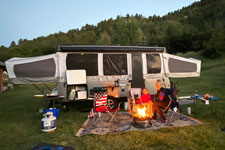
(55, 112)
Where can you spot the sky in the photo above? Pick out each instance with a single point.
(29, 19)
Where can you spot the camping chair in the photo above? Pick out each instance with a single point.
(134, 93)
(100, 106)
(173, 102)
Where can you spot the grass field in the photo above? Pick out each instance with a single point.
(20, 121)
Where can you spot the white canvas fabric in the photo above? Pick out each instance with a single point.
(180, 70)
(12, 63)
(181, 67)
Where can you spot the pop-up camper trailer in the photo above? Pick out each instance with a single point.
(82, 68)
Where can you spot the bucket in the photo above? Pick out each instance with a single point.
(126, 105)
(207, 102)
(55, 112)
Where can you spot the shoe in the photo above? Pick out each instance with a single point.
(223, 129)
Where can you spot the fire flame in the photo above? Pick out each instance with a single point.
(142, 112)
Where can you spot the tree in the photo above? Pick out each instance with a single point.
(21, 41)
(215, 46)
(4, 53)
(13, 44)
(105, 39)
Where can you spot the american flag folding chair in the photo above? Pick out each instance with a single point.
(100, 106)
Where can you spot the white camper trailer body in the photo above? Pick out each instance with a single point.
(118, 67)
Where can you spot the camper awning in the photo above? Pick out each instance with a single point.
(33, 69)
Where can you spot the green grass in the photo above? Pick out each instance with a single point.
(20, 121)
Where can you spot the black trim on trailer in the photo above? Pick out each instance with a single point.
(100, 48)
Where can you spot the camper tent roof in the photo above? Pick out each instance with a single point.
(99, 48)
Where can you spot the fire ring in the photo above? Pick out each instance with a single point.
(141, 122)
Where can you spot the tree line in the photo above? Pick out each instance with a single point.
(198, 27)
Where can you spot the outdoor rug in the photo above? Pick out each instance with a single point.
(124, 123)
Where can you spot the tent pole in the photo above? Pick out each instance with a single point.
(38, 88)
(47, 86)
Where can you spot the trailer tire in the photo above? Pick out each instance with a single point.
(112, 102)
(65, 107)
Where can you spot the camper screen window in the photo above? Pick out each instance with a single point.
(115, 64)
(42, 68)
(88, 62)
(177, 66)
(153, 63)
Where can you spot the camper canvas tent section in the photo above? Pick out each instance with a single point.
(179, 67)
(32, 70)
(170, 66)
(164, 66)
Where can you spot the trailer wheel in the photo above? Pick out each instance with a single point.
(65, 107)
(111, 102)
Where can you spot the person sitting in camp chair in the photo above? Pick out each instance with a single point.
(145, 97)
(165, 99)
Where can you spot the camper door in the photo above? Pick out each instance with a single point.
(179, 67)
(33, 69)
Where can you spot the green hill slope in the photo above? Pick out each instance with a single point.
(199, 26)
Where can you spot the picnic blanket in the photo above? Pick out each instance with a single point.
(125, 124)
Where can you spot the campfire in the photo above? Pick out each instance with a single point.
(143, 115)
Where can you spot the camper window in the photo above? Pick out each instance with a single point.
(115, 64)
(179, 66)
(42, 68)
(153, 63)
(88, 62)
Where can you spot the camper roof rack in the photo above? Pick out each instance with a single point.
(100, 48)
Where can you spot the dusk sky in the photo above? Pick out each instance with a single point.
(28, 19)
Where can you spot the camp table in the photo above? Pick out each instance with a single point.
(212, 100)
(54, 98)
(51, 98)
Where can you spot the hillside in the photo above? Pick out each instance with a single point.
(199, 26)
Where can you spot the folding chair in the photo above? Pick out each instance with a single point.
(173, 103)
(134, 93)
(100, 106)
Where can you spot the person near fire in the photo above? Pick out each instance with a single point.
(161, 102)
(145, 101)
(145, 97)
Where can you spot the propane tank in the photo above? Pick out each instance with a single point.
(48, 123)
